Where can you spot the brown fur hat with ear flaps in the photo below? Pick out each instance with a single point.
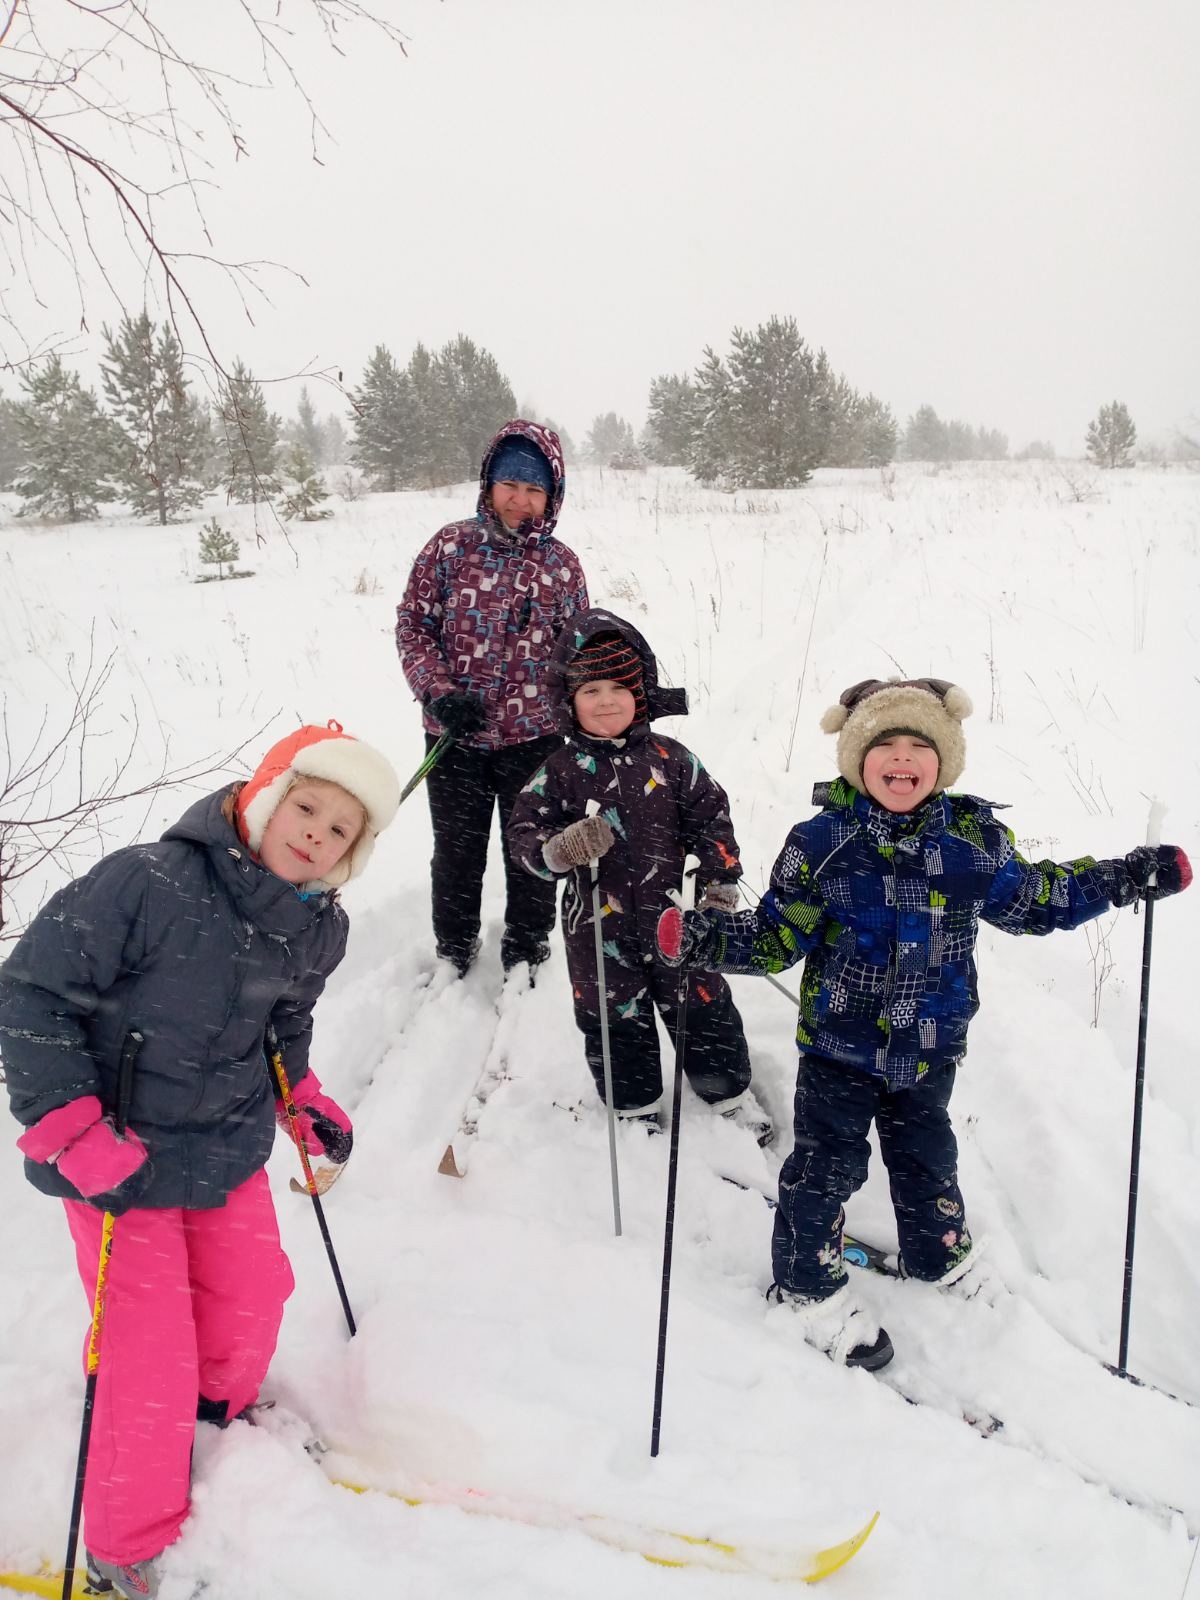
(930, 708)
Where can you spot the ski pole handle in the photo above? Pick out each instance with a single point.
(687, 890)
(1154, 831)
(592, 809)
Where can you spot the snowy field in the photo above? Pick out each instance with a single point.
(506, 1340)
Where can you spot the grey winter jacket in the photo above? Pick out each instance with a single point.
(193, 944)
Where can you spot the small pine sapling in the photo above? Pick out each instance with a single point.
(307, 488)
(217, 548)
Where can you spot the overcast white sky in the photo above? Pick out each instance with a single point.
(991, 207)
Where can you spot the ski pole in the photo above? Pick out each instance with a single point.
(687, 899)
(133, 1044)
(593, 807)
(1153, 835)
(433, 756)
(310, 1183)
(773, 981)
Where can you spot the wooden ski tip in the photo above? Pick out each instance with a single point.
(448, 1166)
(837, 1555)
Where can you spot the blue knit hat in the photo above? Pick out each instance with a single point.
(521, 460)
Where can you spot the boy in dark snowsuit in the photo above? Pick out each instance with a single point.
(179, 956)
(881, 894)
(656, 804)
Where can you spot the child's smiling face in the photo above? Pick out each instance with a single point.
(900, 771)
(310, 831)
(604, 708)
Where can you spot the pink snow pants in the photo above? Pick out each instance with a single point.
(193, 1306)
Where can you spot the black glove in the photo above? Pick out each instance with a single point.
(686, 939)
(459, 713)
(1165, 863)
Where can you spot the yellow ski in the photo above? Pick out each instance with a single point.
(45, 1584)
(658, 1545)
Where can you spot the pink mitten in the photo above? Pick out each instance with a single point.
(58, 1129)
(101, 1159)
(322, 1124)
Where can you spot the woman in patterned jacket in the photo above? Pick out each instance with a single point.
(881, 894)
(486, 600)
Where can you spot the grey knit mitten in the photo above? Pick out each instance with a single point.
(577, 845)
(719, 897)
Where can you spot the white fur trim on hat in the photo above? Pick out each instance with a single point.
(897, 706)
(354, 766)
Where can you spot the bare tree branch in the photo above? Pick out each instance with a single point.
(57, 794)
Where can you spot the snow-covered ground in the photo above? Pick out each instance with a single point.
(506, 1340)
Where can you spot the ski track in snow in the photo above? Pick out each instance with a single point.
(506, 1339)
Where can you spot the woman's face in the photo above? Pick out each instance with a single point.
(515, 502)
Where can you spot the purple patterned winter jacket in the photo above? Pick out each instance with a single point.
(484, 607)
(657, 796)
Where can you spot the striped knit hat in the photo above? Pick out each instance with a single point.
(608, 655)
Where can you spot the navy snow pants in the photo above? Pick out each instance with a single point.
(834, 1108)
(716, 1058)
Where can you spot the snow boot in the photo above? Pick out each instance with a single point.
(744, 1111)
(461, 957)
(647, 1117)
(518, 948)
(838, 1325)
(972, 1277)
(132, 1580)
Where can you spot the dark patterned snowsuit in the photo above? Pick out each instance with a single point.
(481, 612)
(661, 804)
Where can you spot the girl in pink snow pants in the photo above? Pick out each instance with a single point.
(179, 956)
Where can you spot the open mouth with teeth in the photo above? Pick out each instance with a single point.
(902, 782)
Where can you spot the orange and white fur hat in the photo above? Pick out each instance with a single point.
(336, 757)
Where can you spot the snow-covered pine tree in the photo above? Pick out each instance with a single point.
(334, 444)
(217, 547)
(385, 423)
(672, 420)
(481, 396)
(610, 438)
(925, 436)
(1111, 436)
(876, 431)
(711, 443)
(66, 444)
(305, 430)
(438, 456)
(12, 455)
(167, 454)
(305, 487)
(249, 439)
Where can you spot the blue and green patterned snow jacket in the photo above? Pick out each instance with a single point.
(885, 908)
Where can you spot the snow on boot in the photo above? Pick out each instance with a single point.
(133, 1580)
(648, 1117)
(972, 1277)
(461, 957)
(744, 1111)
(838, 1325)
(517, 948)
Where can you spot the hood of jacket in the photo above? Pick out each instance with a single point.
(584, 625)
(539, 528)
(267, 901)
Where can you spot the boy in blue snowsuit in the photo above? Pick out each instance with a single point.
(881, 893)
